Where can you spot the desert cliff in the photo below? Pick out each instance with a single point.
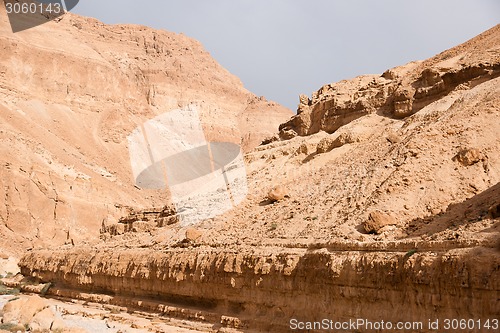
(71, 91)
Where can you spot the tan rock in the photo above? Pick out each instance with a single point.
(42, 320)
(303, 149)
(393, 138)
(58, 325)
(269, 140)
(345, 138)
(193, 234)
(23, 310)
(8, 266)
(403, 108)
(253, 245)
(378, 220)
(430, 77)
(304, 104)
(77, 121)
(304, 100)
(390, 74)
(277, 193)
(325, 145)
(117, 229)
(329, 143)
(141, 226)
(287, 134)
(469, 156)
(399, 92)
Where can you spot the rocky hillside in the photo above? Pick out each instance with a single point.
(382, 194)
(71, 91)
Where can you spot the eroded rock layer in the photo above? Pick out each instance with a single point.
(266, 288)
(399, 92)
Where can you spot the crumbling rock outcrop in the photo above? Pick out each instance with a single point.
(142, 221)
(399, 92)
(264, 291)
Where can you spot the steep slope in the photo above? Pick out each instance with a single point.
(71, 91)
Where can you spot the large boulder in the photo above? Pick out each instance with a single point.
(277, 193)
(21, 311)
(378, 220)
(42, 321)
(469, 156)
(192, 235)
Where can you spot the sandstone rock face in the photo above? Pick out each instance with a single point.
(72, 91)
(263, 291)
(399, 92)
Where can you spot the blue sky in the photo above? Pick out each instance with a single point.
(282, 48)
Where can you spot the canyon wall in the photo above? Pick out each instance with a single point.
(71, 91)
